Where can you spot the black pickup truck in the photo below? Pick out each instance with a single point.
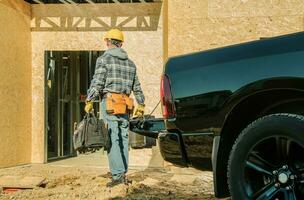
(238, 111)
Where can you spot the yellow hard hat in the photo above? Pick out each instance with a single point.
(114, 34)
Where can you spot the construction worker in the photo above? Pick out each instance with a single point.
(115, 75)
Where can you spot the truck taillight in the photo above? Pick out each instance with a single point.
(168, 107)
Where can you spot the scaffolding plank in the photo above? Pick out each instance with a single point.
(24, 182)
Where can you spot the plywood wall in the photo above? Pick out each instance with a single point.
(196, 25)
(81, 27)
(15, 83)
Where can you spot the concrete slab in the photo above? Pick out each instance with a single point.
(97, 159)
(25, 182)
(138, 159)
(145, 158)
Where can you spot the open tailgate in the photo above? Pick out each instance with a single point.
(147, 127)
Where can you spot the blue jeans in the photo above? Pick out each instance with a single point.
(118, 154)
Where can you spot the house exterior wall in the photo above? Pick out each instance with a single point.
(81, 27)
(15, 83)
(197, 25)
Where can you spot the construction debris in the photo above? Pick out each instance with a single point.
(77, 183)
(20, 182)
(10, 190)
(183, 178)
(149, 181)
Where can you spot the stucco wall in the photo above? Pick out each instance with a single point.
(15, 83)
(81, 27)
(196, 25)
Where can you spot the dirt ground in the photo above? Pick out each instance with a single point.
(71, 183)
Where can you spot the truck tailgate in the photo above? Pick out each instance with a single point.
(147, 127)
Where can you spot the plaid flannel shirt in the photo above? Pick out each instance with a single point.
(117, 75)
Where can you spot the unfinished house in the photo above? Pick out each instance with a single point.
(49, 49)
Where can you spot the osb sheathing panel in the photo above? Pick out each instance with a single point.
(15, 83)
(217, 23)
(18, 6)
(143, 42)
(255, 8)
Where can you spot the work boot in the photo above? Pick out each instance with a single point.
(123, 179)
(127, 181)
(114, 183)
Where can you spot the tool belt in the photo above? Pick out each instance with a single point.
(119, 104)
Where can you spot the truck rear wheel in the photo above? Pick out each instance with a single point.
(266, 161)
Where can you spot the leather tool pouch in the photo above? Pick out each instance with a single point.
(130, 104)
(119, 104)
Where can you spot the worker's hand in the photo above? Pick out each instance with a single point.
(139, 112)
(88, 107)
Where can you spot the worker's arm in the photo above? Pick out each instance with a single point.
(98, 81)
(138, 93)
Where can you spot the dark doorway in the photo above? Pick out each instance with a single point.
(68, 75)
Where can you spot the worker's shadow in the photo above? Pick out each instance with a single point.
(96, 17)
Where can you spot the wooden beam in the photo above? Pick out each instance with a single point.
(20, 181)
(71, 1)
(38, 1)
(90, 1)
(63, 1)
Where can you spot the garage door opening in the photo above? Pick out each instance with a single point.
(67, 78)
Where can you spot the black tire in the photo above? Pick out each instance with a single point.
(267, 159)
